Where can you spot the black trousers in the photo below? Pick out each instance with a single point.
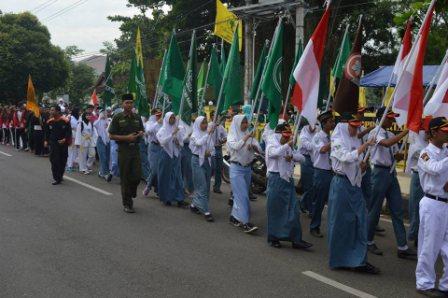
(130, 172)
(38, 142)
(20, 134)
(58, 160)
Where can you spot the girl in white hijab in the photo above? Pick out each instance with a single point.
(347, 212)
(241, 146)
(170, 185)
(201, 148)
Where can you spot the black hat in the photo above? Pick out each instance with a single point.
(390, 113)
(127, 96)
(282, 127)
(325, 116)
(350, 119)
(439, 122)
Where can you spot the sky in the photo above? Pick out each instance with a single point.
(83, 22)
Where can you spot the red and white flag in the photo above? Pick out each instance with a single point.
(437, 106)
(409, 92)
(94, 99)
(307, 71)
(405, 49)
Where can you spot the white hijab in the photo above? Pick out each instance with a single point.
(165, 132)
(285, 168)
(243, 155)
(341, 138)
(197, 135)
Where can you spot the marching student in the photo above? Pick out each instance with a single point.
(347, 212)
(170, 185)
(241, 146)
(153, 125)
(37, 133)
(185, 158)
(322, 170)
(306, 167)
(19, 124)
(201, 147)
(385, 184)
(219, 138)
(433, 232)
(85, 140)
(73, 149)
(144, 152)
(282, 208)
(101, 126)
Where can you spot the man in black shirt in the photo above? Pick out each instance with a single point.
(58, 135)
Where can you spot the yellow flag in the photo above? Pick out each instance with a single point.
(226, 23)
(31, 103)
(362, 97)
(389, 92)
(138, 48)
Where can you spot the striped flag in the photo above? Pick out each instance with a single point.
(437, 106)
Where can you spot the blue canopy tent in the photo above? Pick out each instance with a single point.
(380, 77)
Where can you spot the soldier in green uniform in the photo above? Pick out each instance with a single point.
(127, 130)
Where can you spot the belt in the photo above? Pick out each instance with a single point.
(414, 171)
(195, 155)
(382, 167)
(440, 199)
(331, 171)
(341, 175)
(237, 163)
(155, 143)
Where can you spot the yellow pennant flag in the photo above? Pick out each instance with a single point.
(362, 97)
(31, 102)
(226, 23)
(388, 98)
(138, 48)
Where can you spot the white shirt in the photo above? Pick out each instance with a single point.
(101, 125)
(433, 170)
(218, 135)
(85, 134)
(321, 160)
(238, 148)
(305, 139)
(275, 157)
(417, 144)
(381, 155)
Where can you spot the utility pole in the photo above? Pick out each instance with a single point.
(300, 24)
(248, 55)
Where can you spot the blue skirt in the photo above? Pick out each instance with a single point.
(283, 210)
(169, 183)
(240, 178)
(347, 224)
(201, 181)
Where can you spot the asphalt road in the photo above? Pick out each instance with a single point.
(75, 241)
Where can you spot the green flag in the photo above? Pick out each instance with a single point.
(233, 80)
(173, 72)
(258, 73)
(109, 92)
(223, 58)
(292, 80)
(341, 60)
(137, 85)
(271, 86)
(215, 74)
(189, 102)
(201, 87)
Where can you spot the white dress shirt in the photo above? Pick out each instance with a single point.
(433, 170)
(381, 155)
(321, 160)
(85, 134)
(101, 125)
(305, 140)
(276, 154)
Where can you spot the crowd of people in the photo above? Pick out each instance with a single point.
(344, 165)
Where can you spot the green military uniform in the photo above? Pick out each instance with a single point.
(128, 154)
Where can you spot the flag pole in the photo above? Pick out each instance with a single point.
(406, 63)
(182, 99)
(286, 102)
(435, 78)
(257, 94)
(156, 96)
(206, 78)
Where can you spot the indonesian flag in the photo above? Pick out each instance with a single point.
(409, 92)
(94, 99)
(405, 49)
(437, 106)
(307, 71)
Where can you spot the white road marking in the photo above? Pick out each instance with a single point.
(88, 186)
(337, 285)
(5, 154)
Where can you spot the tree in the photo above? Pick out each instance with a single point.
(25, 48)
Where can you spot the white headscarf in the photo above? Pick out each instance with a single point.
(164, 135)
(235, 138)
(197, 135)
(285, 168)
(342, 141)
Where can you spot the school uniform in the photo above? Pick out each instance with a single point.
(366, 184)
(283, 222)
(217, 138)
(73, 149)
(19, 124)
(101, 126)
(185, 159)
(86, 137)
(433, 231)
(144, 154)
(385, 185)
(201, 147)
(170, 184)
(322, 177)
(240, 169)
(306, 166)
(347, 213)
(37, 134)
(154, 149)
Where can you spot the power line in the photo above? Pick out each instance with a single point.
(43, 5)
(64, 10)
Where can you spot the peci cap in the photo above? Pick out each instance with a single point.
(325, 116)
(350, 119)
(439, 123)
(127, 96)
(390, 114)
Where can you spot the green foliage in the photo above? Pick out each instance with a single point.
(25, 48)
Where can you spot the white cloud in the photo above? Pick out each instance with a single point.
(85, 25)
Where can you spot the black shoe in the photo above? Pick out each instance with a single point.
(209, 217)
(56, 182)
(252, 198)
(108, 178)
(194, 209)
(379, 229)
(409, 253)
(301, 245)
(234, 221)
(217, 191)
(368, 268)
(432, 293)
(374, 249)
(316, 233)
(167, 203)
(249, 228)
(128, 209)
(230, 202)
(182, 204)
(276, 244)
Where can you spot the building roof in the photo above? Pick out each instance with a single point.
(97, 62)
